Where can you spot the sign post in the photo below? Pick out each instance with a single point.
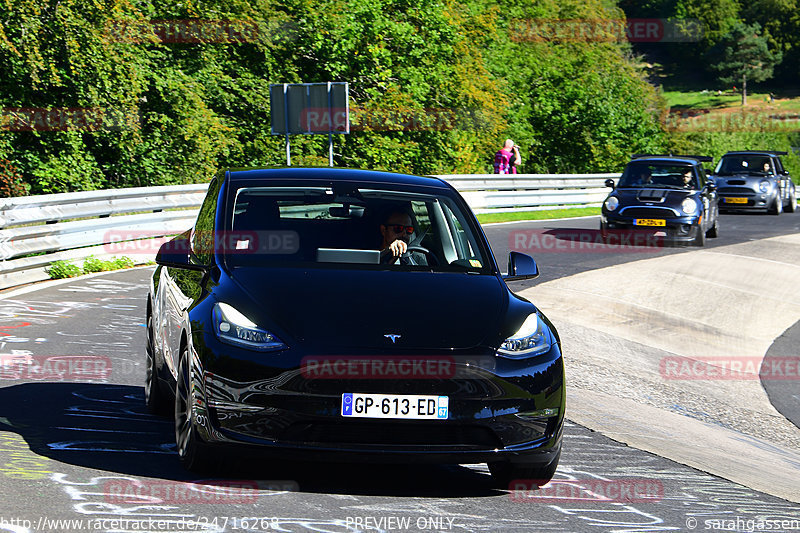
(309, 109)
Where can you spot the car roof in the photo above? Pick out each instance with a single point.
(755, 152)
(665, 159)
(328, 174)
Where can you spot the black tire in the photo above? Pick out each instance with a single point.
(504, 472)
(713, 231)
(777, 206)
(791, 207)
(155, 398)
(700, 238)
(603, 233)
(193, 453)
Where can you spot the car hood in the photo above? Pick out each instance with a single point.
(335, 309)
(748, 180)
(654, 196)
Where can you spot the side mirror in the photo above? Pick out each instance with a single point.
(610, 183)
(520, 266)
(175, 253)
(785, 172)
(711, 186)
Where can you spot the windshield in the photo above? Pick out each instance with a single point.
(744, 164)
(324, 227)
(658, 175)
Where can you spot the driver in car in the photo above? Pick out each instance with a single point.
(688, 182)
(397, 229)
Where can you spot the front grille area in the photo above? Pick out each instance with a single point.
(741, 191)
(647, 212)
(395, 433)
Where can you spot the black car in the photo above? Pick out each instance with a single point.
(276, 324)
(668, 195)
(755, 181)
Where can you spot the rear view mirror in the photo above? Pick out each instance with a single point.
(610, 183)
(175, 253)
(521, 266)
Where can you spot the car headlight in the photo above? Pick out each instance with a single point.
(763, 186)
(532, 338)
(233, 327)
(689, 206)
(612, 203)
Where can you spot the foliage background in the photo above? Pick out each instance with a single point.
(199, 107)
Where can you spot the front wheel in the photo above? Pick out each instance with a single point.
(700, 238)
(504, 472)
(777, 206)
(194, 454)
(791, 206)
(713, 231)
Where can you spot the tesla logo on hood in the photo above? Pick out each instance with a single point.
(393, 337)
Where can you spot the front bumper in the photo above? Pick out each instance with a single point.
(499, 409)
(679, 229)
(754, 202)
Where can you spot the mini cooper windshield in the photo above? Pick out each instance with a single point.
(653, 175)
(350, 227)
(744, 164)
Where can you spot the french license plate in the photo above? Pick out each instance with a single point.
(407, 406)
(650, 222)
(735, 200)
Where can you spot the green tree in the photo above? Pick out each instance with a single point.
(745, 56)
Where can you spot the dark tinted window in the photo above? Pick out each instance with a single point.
(744, 164)
(316, 226)
(656, 175)
(203, 232)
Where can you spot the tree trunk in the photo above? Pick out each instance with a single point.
(744, 90)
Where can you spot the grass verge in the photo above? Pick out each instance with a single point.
(491, 218)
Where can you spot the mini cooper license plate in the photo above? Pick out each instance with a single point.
(650, 222)
(735, 200)
(404, 406)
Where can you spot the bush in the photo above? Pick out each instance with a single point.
(92, 264)
(63, 269)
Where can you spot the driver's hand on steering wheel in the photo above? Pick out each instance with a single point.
(398, 248)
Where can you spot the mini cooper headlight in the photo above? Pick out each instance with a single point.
(612, 203)
(233, 327)
(532, 338)
(689, 206)
(763, 186)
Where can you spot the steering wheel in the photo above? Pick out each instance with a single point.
(429, 256)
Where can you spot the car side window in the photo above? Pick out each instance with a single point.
(778, 165)
(701, 177)
(203, 231)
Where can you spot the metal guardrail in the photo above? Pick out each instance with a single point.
(495, 193)
(35, 231)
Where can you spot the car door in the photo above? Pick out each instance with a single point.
(783, 179)
(183, 287)
(708, 195)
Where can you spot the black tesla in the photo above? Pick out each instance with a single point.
(282, 321)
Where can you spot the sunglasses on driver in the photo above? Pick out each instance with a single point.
(399, 228)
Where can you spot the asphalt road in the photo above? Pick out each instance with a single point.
(559, 252)
(77, 444)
